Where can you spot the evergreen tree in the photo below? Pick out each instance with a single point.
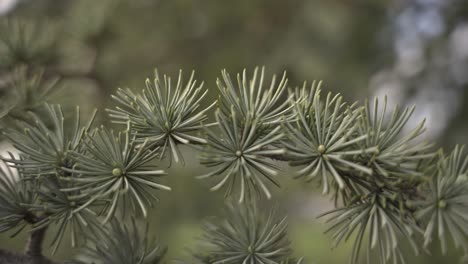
(390, 188)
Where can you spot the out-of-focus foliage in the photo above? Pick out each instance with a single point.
(245, 235)
(24, 90)
(443, 211)
(24, 41)
(121, 243)
(15, 195)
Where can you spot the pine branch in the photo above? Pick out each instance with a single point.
(241, 153)
(246, 235)
(26, 90)
(119, 243)
(35, 241)
(162, 114)
(388, 186)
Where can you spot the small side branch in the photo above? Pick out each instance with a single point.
(35, 241)
(33, 250)
(7, 257)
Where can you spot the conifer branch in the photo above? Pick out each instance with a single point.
(388, 185)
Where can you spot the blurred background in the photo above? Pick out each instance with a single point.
(415, 52)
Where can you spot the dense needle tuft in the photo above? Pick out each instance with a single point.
(393, 188)
(444, 209)
(63, 211)
(246, 235)
(15, 196)
(378, 217)
(45, 151)
(400, 155)
(120, 243)
(116, 168)
(242, 155)
(163, 114)
(323, 139)
(252, 98)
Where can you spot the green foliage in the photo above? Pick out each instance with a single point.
(15, 195)
(393, 190)
(46, 151)
(323, 138)
(27, 42)
(115, 168)
(242, 154)
(252, 100)
(399, 156)
(70, 215)
(25, 90)
(78, 172)
(163, 115)
(119, 243)
(388, 186)
(246, 235)
(379, 217)
(444, 209)
(370, 164)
